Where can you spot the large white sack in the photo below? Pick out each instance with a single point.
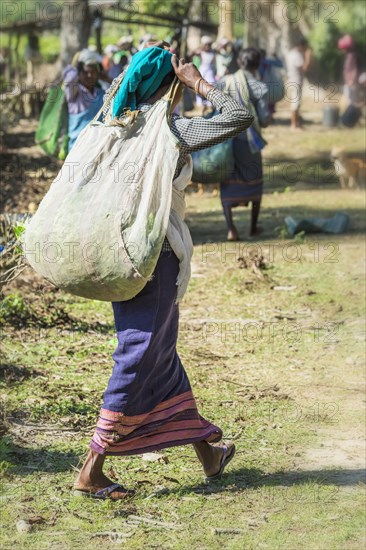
(99, 230)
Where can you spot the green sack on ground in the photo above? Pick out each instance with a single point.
(52, 130)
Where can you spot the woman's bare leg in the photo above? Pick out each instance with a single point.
(232, 231)
(256, 206)
(91, 477)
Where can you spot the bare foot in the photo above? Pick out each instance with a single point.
(200, 190)
(232, 235)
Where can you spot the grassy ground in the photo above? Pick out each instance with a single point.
(275, 358)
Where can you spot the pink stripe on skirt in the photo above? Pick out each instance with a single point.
(175, 421)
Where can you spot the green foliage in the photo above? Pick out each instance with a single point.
(323, 39)
(300, 237)
(281, 232)
(49, 46)
(352, 19)
(18, 229)
(25, 10)
(13, 307)
(173, 8)
(349, 18)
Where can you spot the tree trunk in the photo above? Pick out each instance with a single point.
(269, 26)
(226, 22)
(194, 33)
(75, 29)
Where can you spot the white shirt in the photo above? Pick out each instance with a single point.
(294, 62)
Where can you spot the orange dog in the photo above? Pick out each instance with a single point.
(351, 171)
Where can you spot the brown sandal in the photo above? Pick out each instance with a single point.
(229, 452)
(105, 493)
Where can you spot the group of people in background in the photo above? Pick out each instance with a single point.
(216, 60)
(249, 75)
(87, 78)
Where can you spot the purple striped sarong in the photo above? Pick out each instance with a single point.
(148, 404)
(245, 183)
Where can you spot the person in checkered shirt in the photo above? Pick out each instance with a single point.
(149, 404)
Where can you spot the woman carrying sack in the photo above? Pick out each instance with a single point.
(84, 95)
(245, 183)
(149, 404)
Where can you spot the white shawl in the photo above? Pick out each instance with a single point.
(178, 233)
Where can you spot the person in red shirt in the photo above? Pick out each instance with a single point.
(351, 67)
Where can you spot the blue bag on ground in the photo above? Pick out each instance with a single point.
(336, 225)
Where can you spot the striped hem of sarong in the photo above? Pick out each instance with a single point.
(213, 437)
(173, 422)
(242, 201)
(242, 182)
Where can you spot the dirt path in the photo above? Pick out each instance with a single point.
(26, 171)
(340, 451)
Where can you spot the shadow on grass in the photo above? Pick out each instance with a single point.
(11, 373)
(285, 121)
(210, 227)
(254, 478)
(27, 460)
(54, 318)
(23, 170)
(18, 140)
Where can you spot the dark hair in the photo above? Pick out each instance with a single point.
(249, 58)
(81, 65)
(168, 79)
(301, 42)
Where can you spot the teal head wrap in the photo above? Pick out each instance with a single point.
(144, 76)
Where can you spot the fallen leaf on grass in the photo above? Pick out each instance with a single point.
(154, 457)
(36, 519)
(172, 479)
(144, 481)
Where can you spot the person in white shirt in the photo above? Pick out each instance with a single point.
(297, 62)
